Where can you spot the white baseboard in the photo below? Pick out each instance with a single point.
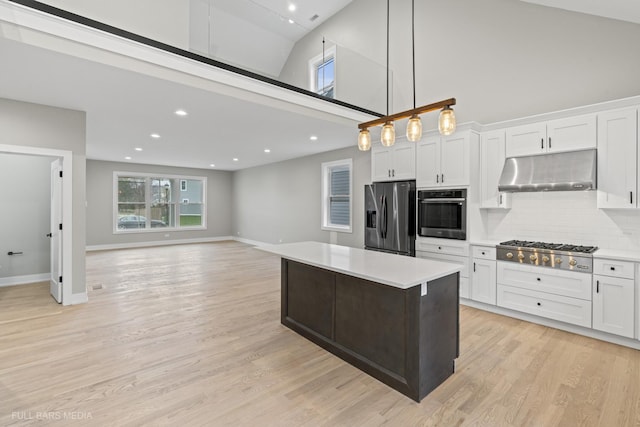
(23, 280)
(156, 243)
(249, 241)
(75, 299)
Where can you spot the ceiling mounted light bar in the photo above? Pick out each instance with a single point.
(440, 105)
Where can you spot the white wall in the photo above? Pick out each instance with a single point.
(281, 202)
(33, 125)
(501, 59)
(100, 204)
(166, 21)
(25, 215)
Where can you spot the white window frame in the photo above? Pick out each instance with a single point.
(314, 62)
(148, 202)
(326, 194)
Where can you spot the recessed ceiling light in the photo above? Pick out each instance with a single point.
(313, 138)
(292, 7)
(235, 159)
(154, 136)
(138, 149)
(290, 21)
(127, 158)
(266, 150)
(212, 165)
(181, 113)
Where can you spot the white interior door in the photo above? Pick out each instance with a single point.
(56, 232)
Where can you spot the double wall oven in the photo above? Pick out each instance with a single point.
(442, 213)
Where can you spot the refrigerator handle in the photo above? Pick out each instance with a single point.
(383, 219)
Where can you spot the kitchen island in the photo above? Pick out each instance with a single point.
(393, 317)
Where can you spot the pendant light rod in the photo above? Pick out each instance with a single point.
(406, 114)
(413, 49)
(388, 1)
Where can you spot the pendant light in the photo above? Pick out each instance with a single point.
(388, 136)
(447, 121)
(414, 126)
(364, 140)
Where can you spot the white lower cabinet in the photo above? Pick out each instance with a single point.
(483, 275)
(447, 250)
(556, 307)
(554, 294)
(614, 299)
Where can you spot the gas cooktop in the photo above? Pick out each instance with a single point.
(554, 255)
(551, 246)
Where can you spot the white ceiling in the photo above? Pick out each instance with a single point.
(624, 10)
(124, 107)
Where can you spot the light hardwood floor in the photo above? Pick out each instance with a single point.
(191, 335)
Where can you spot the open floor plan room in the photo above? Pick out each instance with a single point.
(191, 335)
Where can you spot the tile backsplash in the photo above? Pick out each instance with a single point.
(565, 217)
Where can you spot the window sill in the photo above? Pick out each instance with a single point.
(157, 230)
(336, 228)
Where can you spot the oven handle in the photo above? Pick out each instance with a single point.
(444, 200)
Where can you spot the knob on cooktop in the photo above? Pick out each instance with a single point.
(509, 255)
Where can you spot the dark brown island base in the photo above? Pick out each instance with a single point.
(393, 317)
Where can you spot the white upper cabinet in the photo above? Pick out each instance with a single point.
(394, 163)
(570, 134)
(617, 159)
(444, 160)
(492, 155)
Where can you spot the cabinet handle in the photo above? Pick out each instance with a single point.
(539, 304)
(389, 173)
(442, 178)
(597, 286)
(482, 252)
(440, 248)
(542, 143)
(500, 200)
(538, 279)
(631, 197)
(549, 142)
(437, 178)
(474, 267)
(613, 269)
(393, 172)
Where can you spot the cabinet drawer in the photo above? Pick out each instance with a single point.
(564, 309)
(558, 282)
(484, 252)
(614, 268)
(446, 247)
(451, 258)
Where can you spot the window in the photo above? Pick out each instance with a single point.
(336, 195)
(149, 202)
(322, 73)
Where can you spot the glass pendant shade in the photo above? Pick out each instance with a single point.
(447, 121)
(388, 137)
(364, 140)
(414, 128)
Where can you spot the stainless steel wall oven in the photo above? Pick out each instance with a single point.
(442, 213)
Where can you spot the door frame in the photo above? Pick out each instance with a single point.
(67, 209)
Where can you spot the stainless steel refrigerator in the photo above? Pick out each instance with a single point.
(390, 217)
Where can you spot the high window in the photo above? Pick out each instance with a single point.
(144, 202)
(336, 195)
(322, 73)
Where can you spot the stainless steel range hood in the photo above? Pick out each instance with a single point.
(571, 171)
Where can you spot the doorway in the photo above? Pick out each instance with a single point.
(49, 244)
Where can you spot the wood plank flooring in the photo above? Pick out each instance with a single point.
(190, 335)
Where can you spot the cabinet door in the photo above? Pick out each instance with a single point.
(404, 161)
(492, 155)
(617, 159)
(483, 281)
(381, 163)
(428, 162)
(613, 305)
(526, 140)
(454, 159)
(571, 134)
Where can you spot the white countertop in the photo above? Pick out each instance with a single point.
(633, 256)
(394, 270)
